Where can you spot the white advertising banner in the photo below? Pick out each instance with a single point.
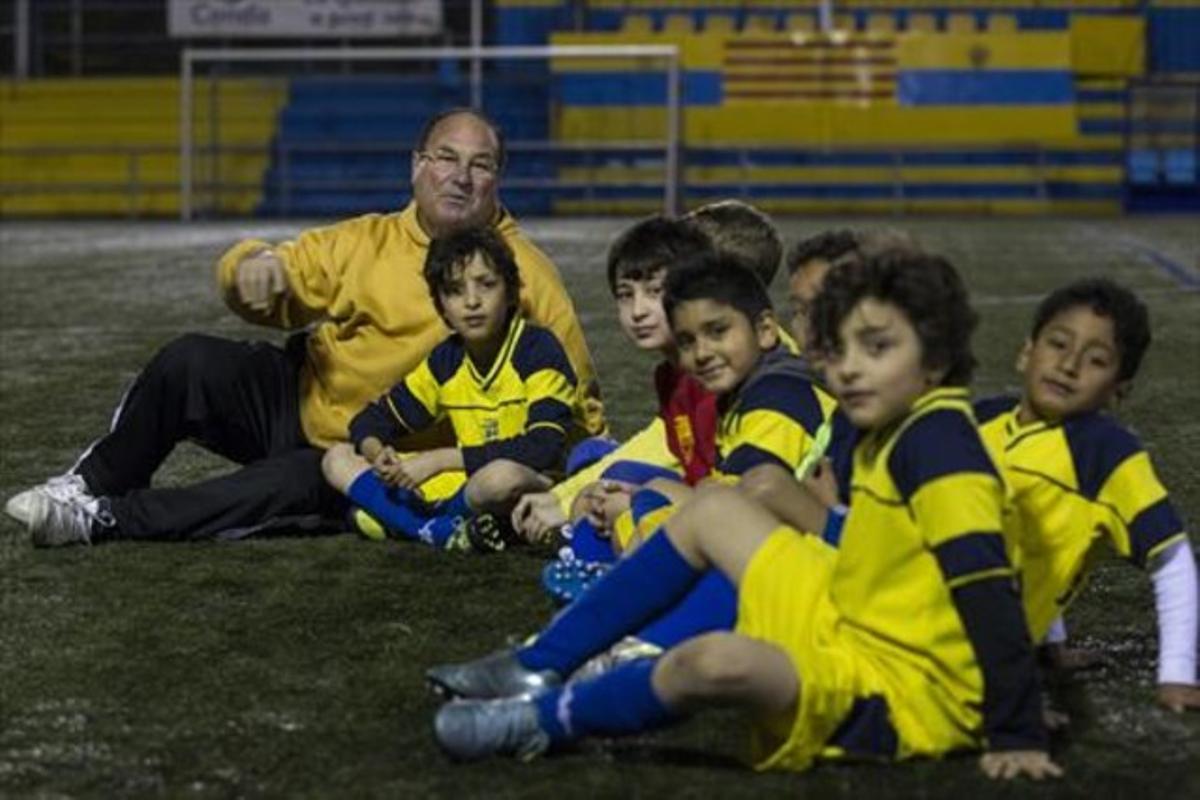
(303, 19)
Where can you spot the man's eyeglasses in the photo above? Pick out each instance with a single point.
(447, 161)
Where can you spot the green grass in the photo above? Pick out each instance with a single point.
(293, 666)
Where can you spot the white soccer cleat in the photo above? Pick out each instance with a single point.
(55, 522)
(68, 487)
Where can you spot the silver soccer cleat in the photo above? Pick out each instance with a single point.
(493, 676)
(469, 730)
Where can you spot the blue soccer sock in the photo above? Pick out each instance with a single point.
(619, 702)
(395, 508)
(587, 545)
(711, 605)
(632, 593)
(446, 517)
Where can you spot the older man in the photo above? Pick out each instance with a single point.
(359, 287)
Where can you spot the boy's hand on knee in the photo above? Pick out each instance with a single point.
(1178, 697)
(415, 470)
(1008, 764)
(386, 464)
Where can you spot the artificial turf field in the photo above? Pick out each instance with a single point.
(292, 667)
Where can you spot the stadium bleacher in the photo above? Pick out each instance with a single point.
(999, 107)
(111, 145)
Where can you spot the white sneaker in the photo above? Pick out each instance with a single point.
(54, 522)
(68, 487)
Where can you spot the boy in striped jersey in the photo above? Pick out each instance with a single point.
(505, 386)
(1079, 477)
(908, 641)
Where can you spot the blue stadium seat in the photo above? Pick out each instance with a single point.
(340, 128)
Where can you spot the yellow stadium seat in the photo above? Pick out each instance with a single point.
(677, 23)
(884, 23)
(1001, 23)
(926, 23)
(800, 22)
(637, 23)
(844, 22)
(718, 23)
(759, 23)
(961, 23)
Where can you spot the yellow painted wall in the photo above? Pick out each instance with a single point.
(846, 122)
(879, 126)
(1108, 45)
(1026, 50)
(825, 124)
(698, 177)
(834, 205)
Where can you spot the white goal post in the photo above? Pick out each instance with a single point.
(669, 54)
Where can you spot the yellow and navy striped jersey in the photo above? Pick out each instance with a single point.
(1074, 484)
(519, 409)
(773, 417)
(923, 584)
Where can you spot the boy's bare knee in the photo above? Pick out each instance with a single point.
(337, 463)
(500, 483)
(712, 498)
(714, 666)
(699, 519)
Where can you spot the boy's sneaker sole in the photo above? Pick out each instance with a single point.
(366, 526)
(565, 580)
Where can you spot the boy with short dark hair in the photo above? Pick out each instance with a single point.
(639, 262)
(807, 264)
(908, 641)
(637, 265)
(504, 384)
(1078, 476)
(811, 259)
(727, 339)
